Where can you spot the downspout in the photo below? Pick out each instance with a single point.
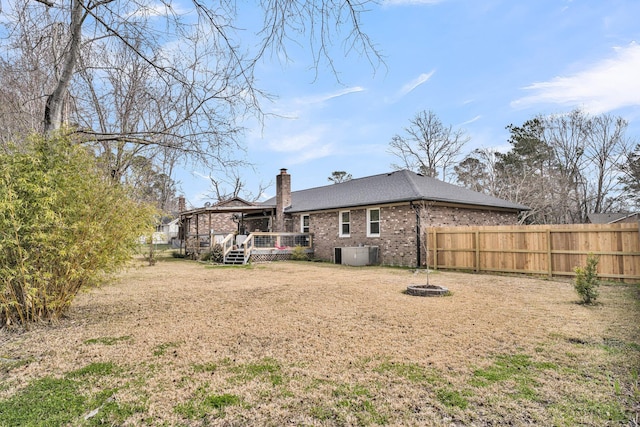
(418, 243)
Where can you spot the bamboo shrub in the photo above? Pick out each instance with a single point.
(62, 228)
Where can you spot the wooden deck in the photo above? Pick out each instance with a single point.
(256, 247)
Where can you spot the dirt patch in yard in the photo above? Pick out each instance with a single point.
(317, 344)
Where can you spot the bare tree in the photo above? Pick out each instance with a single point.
(525, 174)
(607, 147)
(564, 166)
(630, 178)
(339, 176)
(566, 135)
(478, 171)
(428, 147)
(197, 71)
(150, 184)
(527, 188)
(25, 69)
(588, 151)
(231, 185)
(121, 103)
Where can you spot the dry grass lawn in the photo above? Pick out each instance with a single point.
(300, 343)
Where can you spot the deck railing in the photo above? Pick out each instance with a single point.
(281, 240)
(227, 245)
(248, 245)
(281, 243)
(276, 241)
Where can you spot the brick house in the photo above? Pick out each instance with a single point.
(382, 211)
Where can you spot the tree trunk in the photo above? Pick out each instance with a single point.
(55, 101)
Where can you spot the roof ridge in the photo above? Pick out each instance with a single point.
(344, 182)
(414, 187)
(391, 187)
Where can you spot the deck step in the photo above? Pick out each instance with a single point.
(235, 257)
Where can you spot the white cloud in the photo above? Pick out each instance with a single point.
(296, 107)
(313, 153)
(310, 136)
(297, 142)
(319, 99)
(411, 86)
(608, 85)
(304, 146)
(201, 175)
(475, 119)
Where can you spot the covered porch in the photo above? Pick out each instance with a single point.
(227, 223)
(244, 231)
(212, 229)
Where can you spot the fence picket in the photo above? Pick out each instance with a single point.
(552, 250)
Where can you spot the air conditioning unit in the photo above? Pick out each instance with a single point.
(356, 255)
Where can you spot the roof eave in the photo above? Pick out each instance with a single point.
(227, 209)
(293, 210)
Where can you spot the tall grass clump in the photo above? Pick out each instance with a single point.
(586, 281)
(62, 227)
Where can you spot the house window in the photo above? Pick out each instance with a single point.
(345, 224)
(304, 223)
(373, 222)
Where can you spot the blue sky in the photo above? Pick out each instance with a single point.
(479, 65)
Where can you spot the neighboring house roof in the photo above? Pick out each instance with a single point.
(164, 220)
(394, 187)
(608, 218)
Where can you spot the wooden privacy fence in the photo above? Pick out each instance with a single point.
(551, 250)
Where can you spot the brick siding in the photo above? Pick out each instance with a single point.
(218, 222)
(202, 224)
(398, 241)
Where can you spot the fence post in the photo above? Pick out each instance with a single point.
(434, 242)
(477, 243)
(549, 250)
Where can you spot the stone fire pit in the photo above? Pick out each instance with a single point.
(427, 290)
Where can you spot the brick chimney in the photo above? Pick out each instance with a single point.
(182, 205)
(283, 198)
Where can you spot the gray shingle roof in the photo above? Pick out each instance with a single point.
(608, 218)
(393, 187)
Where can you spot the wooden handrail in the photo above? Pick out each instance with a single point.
(227, 244)
(248, 245)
